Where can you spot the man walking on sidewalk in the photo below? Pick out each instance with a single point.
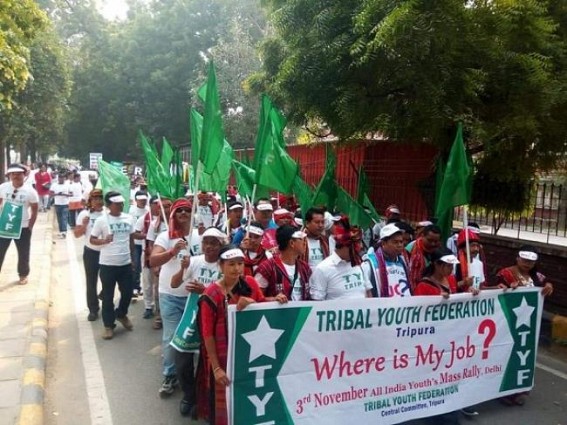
(114, 232)
(18, 205)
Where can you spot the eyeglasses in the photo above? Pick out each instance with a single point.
(14, 194)
(181, 210)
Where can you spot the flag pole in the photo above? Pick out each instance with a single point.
(165, 220)
(195, 199)
(467, 244)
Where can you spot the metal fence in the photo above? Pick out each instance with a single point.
(546, 213)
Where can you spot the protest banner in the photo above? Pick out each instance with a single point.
(11, 220)
(379, 360)
(186, 337)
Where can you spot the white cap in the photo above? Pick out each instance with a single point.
(16, 169)
(449, 259)
(424, 223)
(116, 199)
(141, 197)
(255, 230)
(389, 230)
(235, 206)
(265, 207)
(299, 235)
(528, 255)
(231, 254)
(213, 232)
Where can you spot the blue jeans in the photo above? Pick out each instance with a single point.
(171, 308)
(62, 212)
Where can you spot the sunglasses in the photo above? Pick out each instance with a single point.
(14, 194)
(181, 210)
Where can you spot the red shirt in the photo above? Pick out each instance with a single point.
(42, 181)
(426, 287)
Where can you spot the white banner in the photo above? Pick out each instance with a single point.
(379, 361)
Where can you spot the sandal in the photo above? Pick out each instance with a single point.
(23, 280)
(157, 323)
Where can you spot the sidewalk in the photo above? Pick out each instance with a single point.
(23, 330)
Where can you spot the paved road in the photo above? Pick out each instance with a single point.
(91, 381)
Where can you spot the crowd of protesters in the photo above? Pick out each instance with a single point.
(168, 250)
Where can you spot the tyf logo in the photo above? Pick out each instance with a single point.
(262, 342)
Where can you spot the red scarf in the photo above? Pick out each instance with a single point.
(175, 232)
(324, 242)
(251, 264)
(417, 263)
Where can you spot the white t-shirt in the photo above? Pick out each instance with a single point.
(171, 267)
(137, 214)
(476, 271)
(296, 293)
(315, 252)
(76, 189)
(335, 278)
(24, 195)
(201, 271)
(152, 233)
(205, 213)
(93, 216)
(196, 243)
(56, 188)
(116, 253)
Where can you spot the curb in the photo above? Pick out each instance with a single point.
(35, 359)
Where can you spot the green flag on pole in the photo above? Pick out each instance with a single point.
(112, 179)
(362, 195)
(274, 167)
(326, 191)
(356, 213)
(304, 194)
(212, 137)
(157, 178)
(455, 189)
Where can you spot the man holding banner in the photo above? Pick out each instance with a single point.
(19, 205)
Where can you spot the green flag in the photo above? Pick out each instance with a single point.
(455, 189)
(112, 179)
(362, 195)
(245, 177)
(167, 154)
(156, 176)
(326, 191)
(356, 213)
(274, 167)
(304, 194)
(212, 137)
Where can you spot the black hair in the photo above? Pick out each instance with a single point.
(406, 227)
(432, 228)
(261, 200)
(436, 259)
(534, 271)
(283, 236)
(241, 288)
(257, 224)
(312, 211)
(109, 195)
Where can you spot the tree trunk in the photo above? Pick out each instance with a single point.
(2, 159)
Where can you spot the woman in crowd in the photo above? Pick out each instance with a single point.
(232, 288)
(438, 277)
(91, 253)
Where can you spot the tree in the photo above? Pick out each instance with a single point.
(412, 69)
(19, 22)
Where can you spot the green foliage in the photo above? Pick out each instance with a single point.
(20, 20)
(411, 69)
(37, 121)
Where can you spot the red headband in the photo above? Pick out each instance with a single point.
(174, 231)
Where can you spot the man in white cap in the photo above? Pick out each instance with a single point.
(235, 210)
(19, 205)
(114, 233)
(263, 214)
(386, 267)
